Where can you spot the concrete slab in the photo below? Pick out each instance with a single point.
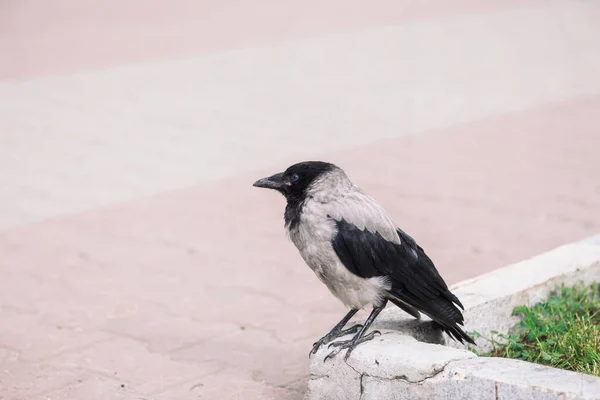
(490, 298)
(392, 356)
(487, 379)
(513, 379)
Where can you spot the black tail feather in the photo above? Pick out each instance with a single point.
(410, 310)
(443, 310)
(456, 333)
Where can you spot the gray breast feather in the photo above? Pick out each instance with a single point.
(313, 238)
(330, 199)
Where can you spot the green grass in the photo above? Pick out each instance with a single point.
(562, 332)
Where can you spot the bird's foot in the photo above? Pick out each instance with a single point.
(350, 345)
(332, 336)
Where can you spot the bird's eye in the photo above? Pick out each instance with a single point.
(295, 177)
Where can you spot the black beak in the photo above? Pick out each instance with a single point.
(272, 182)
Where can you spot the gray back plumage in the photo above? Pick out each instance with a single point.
(334, 196)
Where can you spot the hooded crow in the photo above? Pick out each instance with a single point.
(358, 252)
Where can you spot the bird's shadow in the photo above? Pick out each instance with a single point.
(423, 330)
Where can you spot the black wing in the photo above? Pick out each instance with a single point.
(415, 280)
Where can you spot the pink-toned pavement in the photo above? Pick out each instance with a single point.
(136, 260)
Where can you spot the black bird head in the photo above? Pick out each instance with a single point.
(294, 181)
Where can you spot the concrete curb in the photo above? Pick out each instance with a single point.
(409, 360)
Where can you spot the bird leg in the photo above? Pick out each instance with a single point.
(351, 344)
(336, 332)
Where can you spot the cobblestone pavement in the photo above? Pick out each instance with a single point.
(137, 261)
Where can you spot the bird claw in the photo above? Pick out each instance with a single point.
(316, 346)
(332, 336)
(332, 354)
(350, 345)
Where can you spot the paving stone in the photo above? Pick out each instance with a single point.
(94, 388)
(307, 324)
(16, 333)
(131, 363)
(229, 384)
(164, 333)
(21, 380)
(254, 350)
